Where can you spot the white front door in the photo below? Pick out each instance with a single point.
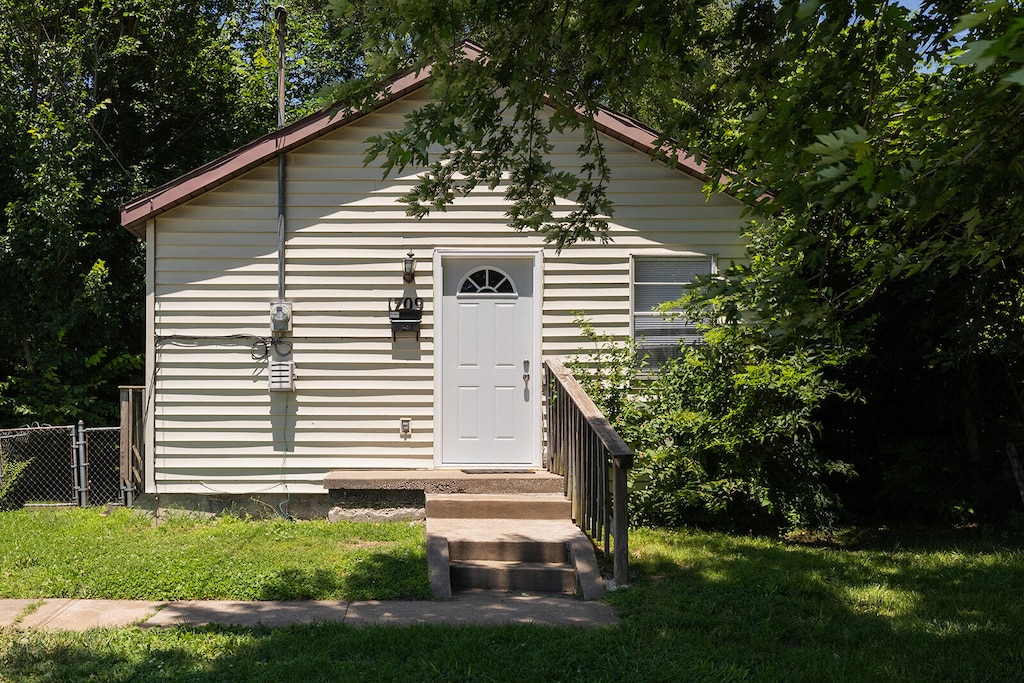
(489, 376)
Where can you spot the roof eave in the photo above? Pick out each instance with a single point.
(647, 140)
(135, 213)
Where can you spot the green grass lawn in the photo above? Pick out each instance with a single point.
(79, 553)
(701, 607)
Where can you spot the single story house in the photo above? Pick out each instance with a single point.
(360, 338)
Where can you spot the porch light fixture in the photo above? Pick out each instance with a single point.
(408, 268)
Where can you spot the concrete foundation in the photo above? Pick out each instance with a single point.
(356, 495)
(259, 505)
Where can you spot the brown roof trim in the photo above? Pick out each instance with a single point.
(628, 130)
(645, 139)
(135, 213)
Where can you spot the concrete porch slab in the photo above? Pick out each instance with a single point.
(446, 481)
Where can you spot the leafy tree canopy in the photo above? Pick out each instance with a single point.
(865, 107)
(100, 101)
(879, 147)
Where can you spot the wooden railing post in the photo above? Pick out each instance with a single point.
(621, 524)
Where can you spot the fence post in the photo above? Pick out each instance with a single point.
(132, 442)
(127, 435)
(81, 467)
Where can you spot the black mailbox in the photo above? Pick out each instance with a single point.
(406, 315)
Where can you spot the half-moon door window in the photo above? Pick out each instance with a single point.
(487, 281)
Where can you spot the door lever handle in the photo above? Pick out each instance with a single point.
(526, 371)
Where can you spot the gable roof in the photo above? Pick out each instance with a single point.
(135, 213)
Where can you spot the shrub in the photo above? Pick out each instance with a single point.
(10, 473)
(724, 435)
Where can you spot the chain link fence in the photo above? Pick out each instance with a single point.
(66, 465)
(103, 462)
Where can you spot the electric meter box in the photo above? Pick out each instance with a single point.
(280, 316)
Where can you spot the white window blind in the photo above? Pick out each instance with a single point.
(656, 280)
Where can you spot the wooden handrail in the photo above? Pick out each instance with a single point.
(585, 449)
(613, 443)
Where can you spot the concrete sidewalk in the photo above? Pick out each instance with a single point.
(483, 608)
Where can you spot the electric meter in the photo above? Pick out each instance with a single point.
(280, 316)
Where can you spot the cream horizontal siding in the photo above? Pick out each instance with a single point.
(219, 429)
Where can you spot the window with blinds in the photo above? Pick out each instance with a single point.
(657, 279)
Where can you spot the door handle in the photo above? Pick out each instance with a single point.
(526, 371)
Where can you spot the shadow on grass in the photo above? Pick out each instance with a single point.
(372, 575)
(380, 576)
(702, 607)
(825, 614)
(968, 538)
(328, 652)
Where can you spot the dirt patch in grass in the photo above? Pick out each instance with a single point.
(357, 544)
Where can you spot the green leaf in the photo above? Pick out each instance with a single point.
(977, 53)
(969, 21)
(807, 9)
(1015, 77)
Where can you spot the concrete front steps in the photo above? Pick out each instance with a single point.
(522, 542)
(486, 530)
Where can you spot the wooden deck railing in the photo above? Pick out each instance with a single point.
(585, 449)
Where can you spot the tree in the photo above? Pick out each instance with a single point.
(100, 101)
(894, 232)
(879, 147)
(570, 57)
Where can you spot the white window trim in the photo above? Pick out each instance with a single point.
(681, 256)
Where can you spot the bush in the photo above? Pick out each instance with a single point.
(10, 473)
(724, 435)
